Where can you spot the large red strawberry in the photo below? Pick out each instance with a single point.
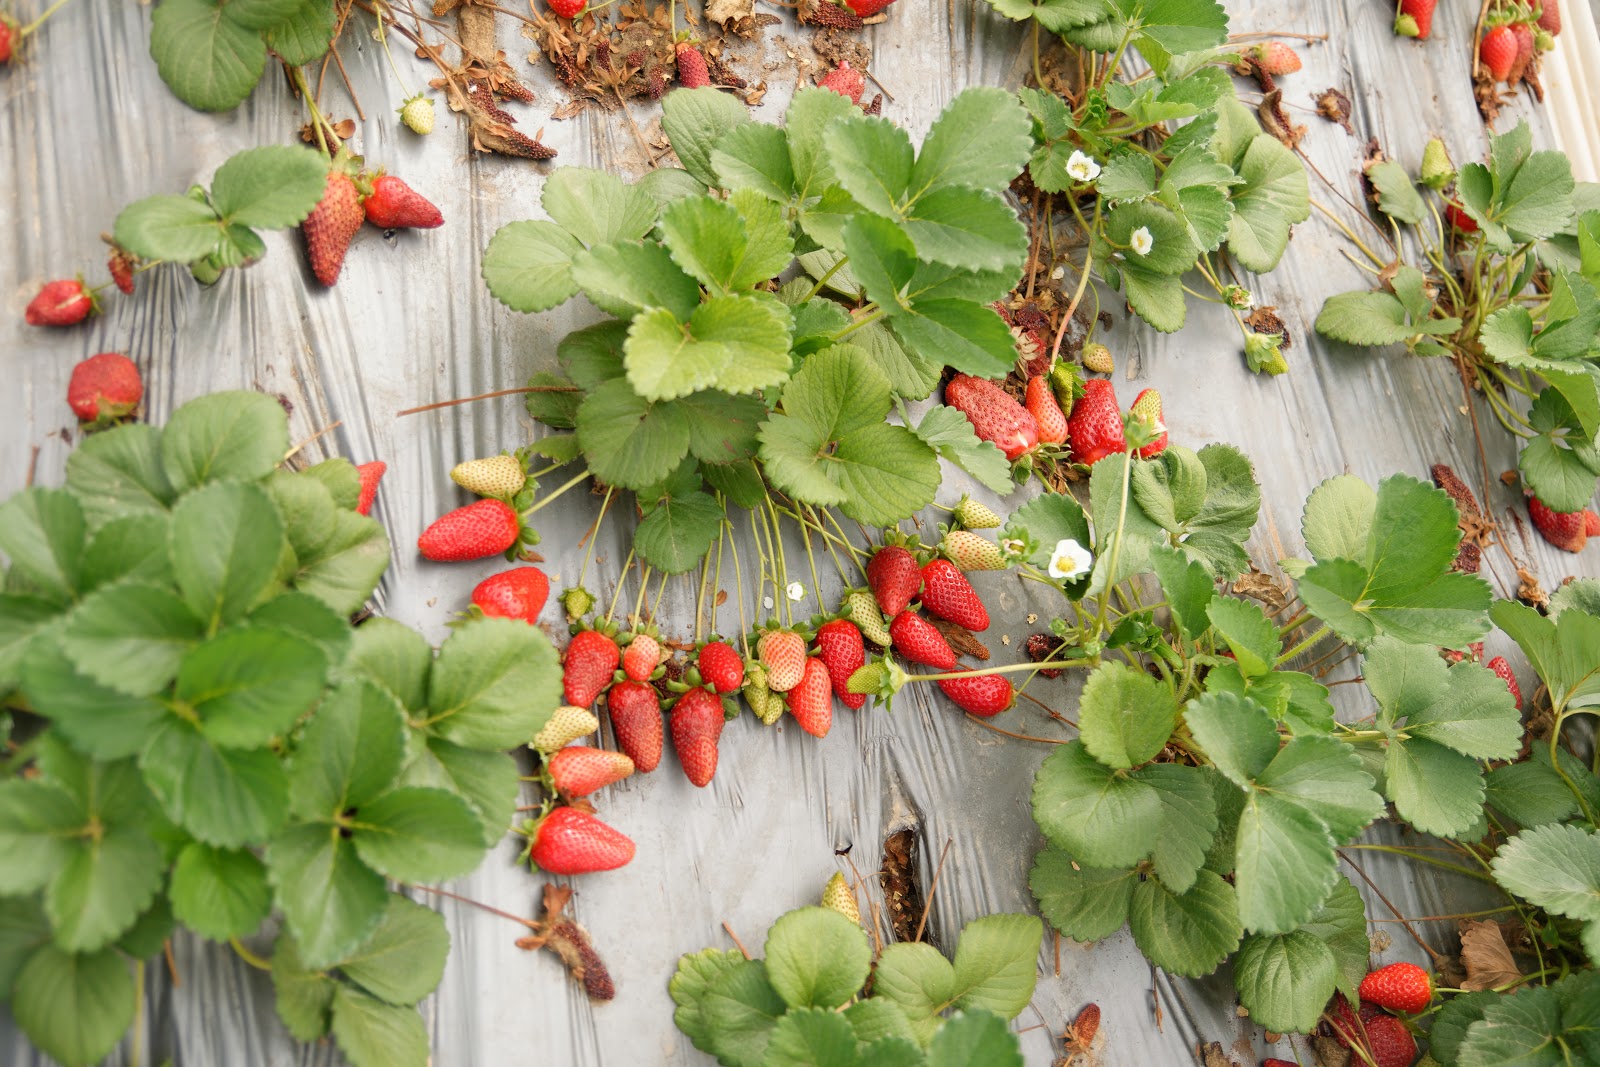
(947, 594)
(980, 694)
(518, 593)
(586, 669)
(1550, 17)
(1503, 670)
(917, 640)
(1567, 530)
(394, 205)
(842, 649)
(486, 528)
(569, 841)
(1420, 12)
(64, 302)
(811, 702)
(783, 655)
(1498, 50)
(370, 474)
(641, 657)
(994, 415)
(697, 721)
(331, 225)
(1046, 411)
(867, 8)
(721, 665)
(8, 38)
(579, 770)
(635, 710)
(894, 578)
(1147, 410)
(104, 388)
(1095, 428)
(1390, 1043)
(846, 81)
(568, 9)
(692, 71)
(1398, 987)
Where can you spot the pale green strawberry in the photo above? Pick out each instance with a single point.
(1437, 170)
(838, 896)
(501, 477)
(1097, 357)
(867, 679)
(860, 608)
(577, 601)
(417, 114)
(566, 725)
(970, 552)
(767, 705)
(974, 516)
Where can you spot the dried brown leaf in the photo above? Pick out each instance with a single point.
(1486, 955)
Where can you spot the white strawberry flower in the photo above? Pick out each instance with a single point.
(1070, 560)
(1082, 168)
(795, 591)
(1142, 241)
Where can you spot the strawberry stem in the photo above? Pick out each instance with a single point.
(243, 953)
(621, 578)
(594, 534)
(1303, 646)
(815, 289)
(1116, 544)
(36, 23)
(738, 579)
(876, 314)
(638, 601)
(562, 489)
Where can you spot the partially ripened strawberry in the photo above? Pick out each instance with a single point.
(1522, 33)
(104, 388)
(569, 841)
(579, 770)
(1041, 404)
(1095, 428)
(894, 577)
(1147, 410)
(1550, 17)
(499, 476)
(394, 205)
(566, 725)
(692, 71)
(635, 710)
(918, 640)
(567, 9)
(980, 694)
(721, 665)
(1420, 12)
(861, 608)
(518, 593)
(946, 594)
(1097, 358)
(697, 722)
(64, 302)
(1503, 669)
(844, 80)
(783, 655)
(486, 528)
(972, 552)
(1498, 50)
(641, 656)
(1567, 530)
(120, 264)
(1591, 523)
(587, 667)
(1399, 987)
(811, 702)
(370, 474)
(331, 225)
(973, 515)
(994, 415)
(1275, 57)
(838, 896)
(841, 648)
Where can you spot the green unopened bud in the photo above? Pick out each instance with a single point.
(1406, 26)
(1437, 169)
(1264, 353)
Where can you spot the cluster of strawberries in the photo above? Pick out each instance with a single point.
(1567, 530)
(1374, 1034)
(347, 201)
(1512, 38)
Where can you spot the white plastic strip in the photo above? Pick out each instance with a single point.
(1571, 79)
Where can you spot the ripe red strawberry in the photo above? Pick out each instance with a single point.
(518, 593)
(104, 388)
(579, 770)
(994, 415)
(394, 205)
(844, 652)
(917, 640)
(722, 666)
(64, 302)
(1457, 216)
(1390, 1043)
(1420, 12)
(1567, 530)
(8, 38)
(569, 841)
(486, 528)
(1503, 669)
(1591, 523)
(641, 657)
(1522, 33)
(980, 694)
(1046, 412)
(697, 721)
(635, 710)
(846, 81)
(331, 225)
(1273, 1061)
(587, 667)
(1147, 409)
(692, 72)
(121, 264)
(1399, 986)
(1095, 428)
(370, 474)
(1498, 50)
(894, 578)
(1550, 17)
(867, 8)
(1276, 58)
(783, 655)
(947, 594)
(568, 9)
(811, 702)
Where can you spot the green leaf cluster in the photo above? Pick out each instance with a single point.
(212, 53)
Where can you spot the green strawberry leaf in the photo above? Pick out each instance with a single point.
(967, 1039)
(756, 157)
(736, 343)
(1553, 867)
(206, 55)
(596, 207)
(1187, 934)
(303, 996)
(173, 228)
(226, 541)
(42, 531)
(1465, 707)
(1156, 298)
(371, 1033)
(1565, 652)
(403, 960)
(628, 277)
(349, 753)
(1273, 197)
(74, 1007)
(488, 781)
(130, 636)
(740, 1010)
(1248, 632)
(728, 245)
(810, 1037)
(630, 441)
(495, 684)
(222, 796)
(1284, 863)
(696, 974)
(1085, 903)
(695, 120)
(331, 901)
(249, 685)
(980, 140)
(220, 893)
(817, 958)
(1100, 816)
(950, 433)
(1397, 193)
(1125, 716)
(1056, 16)
(270, 187)
(231, 436)
(528, 265)
(96, 719)
(678, 532)
(1189, 821)
(119, 472)
(1561, 464)
(304, 35)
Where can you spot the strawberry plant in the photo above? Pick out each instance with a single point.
(200, 738)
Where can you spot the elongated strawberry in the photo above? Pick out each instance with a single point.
(1147, 410)
(838, 896)
(569, 841)
(1550, 17)
(566, 725)
(370, 474)
(499, 476)
(1042, 405)
(861, 608)
(394, 205)
(980, 694)
(946, 594)
(587, 667)
(972, 552)
(846, 81)
(894, 577)
(1567, 530)
(692, 71)
(486, 528)
(120, 264)
(1503, 669)
(1276, 58)
(1398, 987)
(1498, 50)
(841, 648)
(104, 388)
(783, 654)
(973, 515)
(641, 657)
(811, 702)
(1085, 1026)
(994, 415)
(918, 640)
(1522, 33)
(1420, 14)
(331, 225)
(1095, 428)
(635, 710)
(721, 665)
(64, 302)
(519, 593)
(697, 722)
(579, 770)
